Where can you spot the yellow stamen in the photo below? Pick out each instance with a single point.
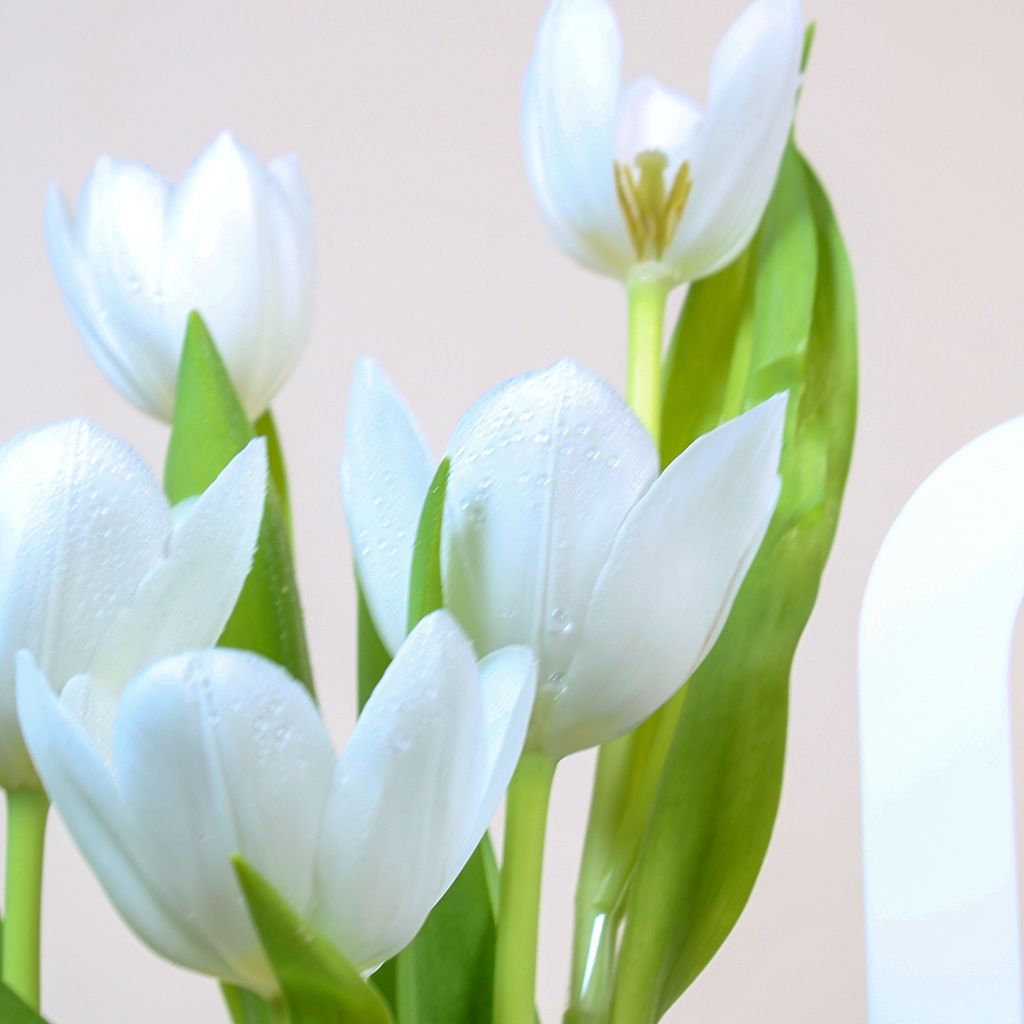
(652, 217)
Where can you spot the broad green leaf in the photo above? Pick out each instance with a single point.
(246, 1007)
(714, 311)
(14, 1011)
(716, 805)
(446, 975)
(209, 429)
(318, 984)
(425, 577)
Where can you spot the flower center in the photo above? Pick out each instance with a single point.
(652, 215)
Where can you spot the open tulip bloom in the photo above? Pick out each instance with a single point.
(637, 181)
(559, 533)
(99, 576)
(638, 175)
(217, 753)
(234, 241)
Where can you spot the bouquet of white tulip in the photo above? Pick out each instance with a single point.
(550, 585)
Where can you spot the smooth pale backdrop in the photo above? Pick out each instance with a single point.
(433, 260)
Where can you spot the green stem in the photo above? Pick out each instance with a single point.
(26, 832)
(591, 938)
(515, 967)
(647, 292)
(647, 289)
(278, 1011)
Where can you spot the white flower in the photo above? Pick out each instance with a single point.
(638, 173)
(234, 241)
(219, 752)
(99, 575)
(559, 533)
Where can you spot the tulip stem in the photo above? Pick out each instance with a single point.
(26, 832)
(647, 294)
(515, 969)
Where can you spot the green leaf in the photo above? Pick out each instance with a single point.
(14, 1011)
(266, 427)
(318, 985)
(716, 805)
(210, 427)
(446, 975)
(715, 310)
(425, 577)
(246, 1007)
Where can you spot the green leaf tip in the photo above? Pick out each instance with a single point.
(209, 429)
(209, 426)
(318, 984)
(425, 595)
(805, 56)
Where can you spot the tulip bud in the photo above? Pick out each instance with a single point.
(234, 241)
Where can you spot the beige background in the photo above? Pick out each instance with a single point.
(433, 260)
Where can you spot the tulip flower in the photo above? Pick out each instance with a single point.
(559, 533)
(218, 752)
(637, 178)
(234, 241)
(98, 575)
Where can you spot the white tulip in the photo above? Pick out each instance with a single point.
(234, 241)
(99, 575)
(559, 533)
(218, 752)
(639, 173)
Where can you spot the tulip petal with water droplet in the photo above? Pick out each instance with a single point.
(218, 752)
(385, 473)
(91, 562)
(559, 534)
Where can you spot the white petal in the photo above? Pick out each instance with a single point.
(86, 794)
(81, 520)
(234, 241)
(568, 113)
(220, 752)
(288, 304)
(186, 599)
(405, 797)
(654, 117)
(676, 566)
(228, 236)
(120, 223)
(508, 683)
(385, 474)
(754, 79)
(544, 469)
(118, 334)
